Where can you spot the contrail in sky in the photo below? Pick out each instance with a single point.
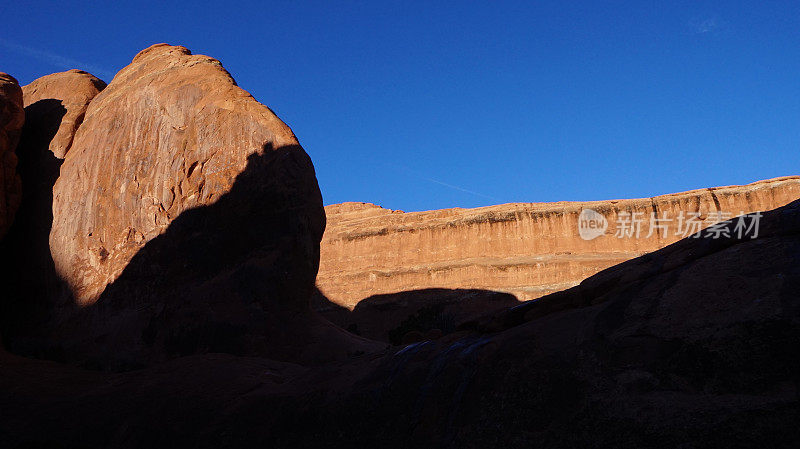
(441, 183)
(56, 60)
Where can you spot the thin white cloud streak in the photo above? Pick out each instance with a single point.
(56, 60)
(707, 25)
(418, 175)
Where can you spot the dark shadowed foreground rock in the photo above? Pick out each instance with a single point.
(694, 345)
(12, 116)
(415, 314)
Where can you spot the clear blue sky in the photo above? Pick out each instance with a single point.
(425, 105)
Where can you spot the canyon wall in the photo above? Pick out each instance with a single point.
(526, 249)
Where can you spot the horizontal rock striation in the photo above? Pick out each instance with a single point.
(526, 249)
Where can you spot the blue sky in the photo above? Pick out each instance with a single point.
(427, 105)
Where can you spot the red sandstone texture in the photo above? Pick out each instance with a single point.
(526, 249)
(170, 132)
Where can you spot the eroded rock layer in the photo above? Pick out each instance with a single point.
(527, 249)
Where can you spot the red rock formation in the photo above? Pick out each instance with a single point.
(12, 118)
(171, 132)
(528, 250)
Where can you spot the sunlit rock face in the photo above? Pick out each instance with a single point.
(527, 249)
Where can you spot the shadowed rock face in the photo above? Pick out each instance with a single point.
(12, 117)
(406, 317)
(528, 250)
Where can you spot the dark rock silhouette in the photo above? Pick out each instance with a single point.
(432, 312)
(695, 345)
